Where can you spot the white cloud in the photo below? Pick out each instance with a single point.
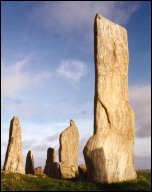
(68, 15)
(140, 98)
(16, 79)
(72, 69)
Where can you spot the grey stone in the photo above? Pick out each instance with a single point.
(69, 141)
(109, 153)
(14, 156)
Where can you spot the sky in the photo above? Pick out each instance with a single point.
(47, 71)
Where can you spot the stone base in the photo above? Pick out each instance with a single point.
(66, 171)
(109, 159)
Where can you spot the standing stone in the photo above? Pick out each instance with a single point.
(66, 171)
(82, 170)
(38, 171)
(14, 156)
(109, 153)
(56, 170)
(29, 168)
(69, 140)
(51, 158)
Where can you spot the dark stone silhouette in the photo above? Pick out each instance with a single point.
(51, 158)
(29, 168)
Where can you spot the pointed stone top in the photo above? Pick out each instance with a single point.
(72, 123)
(50, 148)
(98, 16)
(15, 117)
(51, 154)
(29, 152)
(15, 120)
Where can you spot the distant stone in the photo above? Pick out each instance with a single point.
(14, 156)
(82, 170)
(29, 168)
(109, 153)
(51, 158)
(69, 141)
(66, 171)
(38, 171)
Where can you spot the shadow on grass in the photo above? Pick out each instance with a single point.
(13, 182)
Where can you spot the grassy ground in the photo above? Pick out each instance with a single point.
(17, 182)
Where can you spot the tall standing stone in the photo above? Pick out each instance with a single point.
(14, 156)
(69, 141)
(109, 153)
(29, 167)
(49, 166)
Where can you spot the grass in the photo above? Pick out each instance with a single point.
(17, 182)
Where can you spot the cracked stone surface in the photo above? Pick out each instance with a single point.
(29, 167)
(66, 170)
(109, 153)
(14, 157)
(69, 141)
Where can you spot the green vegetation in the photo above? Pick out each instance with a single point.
(17, 182)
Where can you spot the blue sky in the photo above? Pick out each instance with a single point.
(47, 67)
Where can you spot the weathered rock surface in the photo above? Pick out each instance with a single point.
(56, 170)
(66, 171)
(69, 141)
(109, 153)
(38, 171)
(51, 158)
(14, 157)
(29, 167)
(82, 170)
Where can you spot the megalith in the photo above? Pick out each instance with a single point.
(51, 159)
(69, 141)
(29, 167)
(14, 157)
(109, 153)
(39, 171)
(82, 170)
(66, 171)
(56, 170)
